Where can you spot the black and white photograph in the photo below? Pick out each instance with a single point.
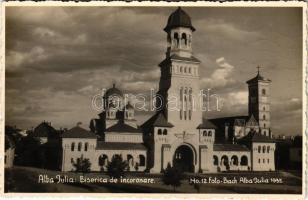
(154, 98)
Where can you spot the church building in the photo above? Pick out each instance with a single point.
(179, 137)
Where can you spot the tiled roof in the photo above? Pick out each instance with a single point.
(78, 132)
(113, 91)
(157, 120)
(122, 127)
(252, 121)
(179, 18)
(129, 106)
(230, 147)
(258, 78)
(253, 136)
(207, 125)
(119, 146)
(161, 121)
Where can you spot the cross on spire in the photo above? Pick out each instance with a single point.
(258, 69)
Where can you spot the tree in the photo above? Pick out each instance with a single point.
(172, 176)
(29, 152)
(82, 165)
(116, 167)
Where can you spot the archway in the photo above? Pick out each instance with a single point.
(184, 158)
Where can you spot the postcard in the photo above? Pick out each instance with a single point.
(187, 99)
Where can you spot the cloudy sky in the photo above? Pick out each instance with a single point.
(58, 58)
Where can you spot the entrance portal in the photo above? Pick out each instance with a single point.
(184, 159)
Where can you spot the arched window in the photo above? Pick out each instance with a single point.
(184, 38)
(263, 149)
(263, 91)
(159, 132)
(267, 160)
(210, 133)
(215, 160)
(165, 132)
(268, 149)
(259, 160)
(185, 69)
(185, 115)
(204, 133)
(234, 160)
(244, 160)
(264, 125)
(259, 149)
(141, 160)
(263, 160)
(181, 114)
(86, 146)
(130, 160)
(189, 114)
(73, 146)
(263, 107)
(176, 39)
(225, 160)
(181, 69)
(79, 146)
(189, 70)
(264, 117)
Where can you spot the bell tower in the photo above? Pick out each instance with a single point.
(259, 101)
(179, 82)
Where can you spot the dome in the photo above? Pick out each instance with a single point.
(179, 18)
(113, 92)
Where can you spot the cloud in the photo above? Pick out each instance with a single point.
(221, 76)
(229, 31)
(54, 67)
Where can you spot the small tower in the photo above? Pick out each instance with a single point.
(259, 102)
(179, 34)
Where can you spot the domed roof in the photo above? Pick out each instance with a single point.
(113, 91)
(179, 18)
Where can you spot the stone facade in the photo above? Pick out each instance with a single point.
(177, 134)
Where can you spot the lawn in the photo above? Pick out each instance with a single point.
(25, 179)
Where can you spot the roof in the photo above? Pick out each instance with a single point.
(207, 125)
(44, 129)
(78, 132)
(129, 106)
(113, 91)
(179, 18)
(252, 121)
(230, 147)
(122, 127)
(157, 120)
(254, 136)
(176, 57)
(120, 146)
(235, 120)
(9, 141)
(258, 78)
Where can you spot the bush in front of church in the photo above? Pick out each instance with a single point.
(116, 168)
(172, 176)
(82, 165)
